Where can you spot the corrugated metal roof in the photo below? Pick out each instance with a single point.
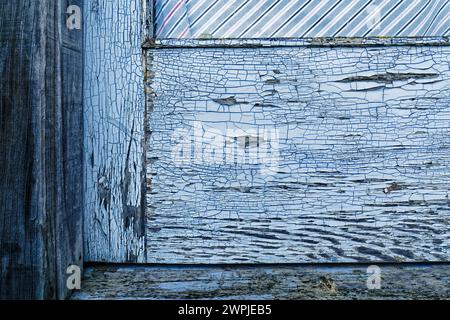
(300, 18)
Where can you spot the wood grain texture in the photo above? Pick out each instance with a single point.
(325, 42)
(69, 220)
(114, 122)
(41, 142)
(264, 282)
(363, 155)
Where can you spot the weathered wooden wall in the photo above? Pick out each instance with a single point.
(362, 148)
(114, 130)
(41, 138)
(190, 215)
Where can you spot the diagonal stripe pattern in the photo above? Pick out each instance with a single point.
(300, 18)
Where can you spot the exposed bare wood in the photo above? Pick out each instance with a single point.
(264, 282)
(41, 148)
(303, 42)
(69, 220)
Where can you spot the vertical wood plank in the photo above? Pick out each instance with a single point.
(70, 222)
(40, 139)
(148, 18)
(114, 122)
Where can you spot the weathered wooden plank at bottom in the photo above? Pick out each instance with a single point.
(410, 281)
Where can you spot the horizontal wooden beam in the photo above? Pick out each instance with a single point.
(398, 281)
(151, 43)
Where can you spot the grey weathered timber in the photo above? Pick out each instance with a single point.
(264, 282)
(114, 126)
(358, 170)
(41, 192)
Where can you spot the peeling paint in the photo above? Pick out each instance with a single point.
(114, 131)
(354, 182)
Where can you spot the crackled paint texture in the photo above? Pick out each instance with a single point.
(114, 121)
(364, 154)
(363, 137)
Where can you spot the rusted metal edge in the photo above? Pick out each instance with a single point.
(152, 43)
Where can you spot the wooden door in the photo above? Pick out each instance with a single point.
(310, 150)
